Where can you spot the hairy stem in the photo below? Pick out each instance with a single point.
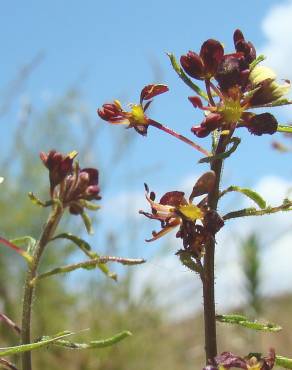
(208, 281)
(46, 235)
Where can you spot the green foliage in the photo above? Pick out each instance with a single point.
(284, 362)
(86, 249)
(235, 141)
(180, 72)
(249, 193)
(245, 322)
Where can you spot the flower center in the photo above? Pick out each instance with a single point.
(191, 212)
(137, 115)
(231, 110)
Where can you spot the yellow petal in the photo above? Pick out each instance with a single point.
(261, 73)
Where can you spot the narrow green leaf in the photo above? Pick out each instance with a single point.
(249, 193)
(245, 322)
(284, 362)
(282, 128)
(258, 60)
(17, 249)
(89, 205)
(35, 200)
(235, 141)
(95, 343)
(185, 78)
(88, 265)
(8, 351)
(27, 242)
(87, 222)
(86, 249)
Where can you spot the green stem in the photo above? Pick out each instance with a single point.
(246, 212)
(208, 281)
(46, 235)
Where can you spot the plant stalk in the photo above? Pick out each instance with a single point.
(209, 278)
(46, 235)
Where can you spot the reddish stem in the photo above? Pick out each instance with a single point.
(179, 137)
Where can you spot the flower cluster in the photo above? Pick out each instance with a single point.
(73, 186)
(253, 361)
(235, 83)
(197, 223)
(136, 117)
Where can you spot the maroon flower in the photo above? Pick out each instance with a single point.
(81, 186)
(59, 166)
(241, 85)
(232, 71)
(73, 186)
(136, 117)
(203, 66)
(197, 223)
(244, 47)
(212, 122)
(254, 361)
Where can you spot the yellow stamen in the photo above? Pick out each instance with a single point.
(137, 115)
(118, 104)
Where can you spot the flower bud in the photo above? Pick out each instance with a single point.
(59, 166)
(193, 65)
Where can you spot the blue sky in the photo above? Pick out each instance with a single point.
(111, 49)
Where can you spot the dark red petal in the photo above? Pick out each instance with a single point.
(92, 175)
(193, 65)
(212, 121)
(244, 47)
(196, 101)
(264, 123)
(229, 360)
(269, 360)
(211, 53)
(142, 130)
(200, 131)
(173, 198)
(237, 36)
(110, 112)
(149, 91)
(229, 72)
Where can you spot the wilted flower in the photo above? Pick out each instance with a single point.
(254, 361)
(73, 186)
(241, 85)
(197, 223)
(136, 117)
